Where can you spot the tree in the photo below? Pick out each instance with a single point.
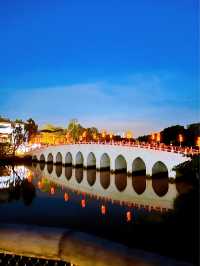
(19, 137)
(74, 129)
(170, 135)
(30, 128)
(192, 132)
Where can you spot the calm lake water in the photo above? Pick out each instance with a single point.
(137, 211)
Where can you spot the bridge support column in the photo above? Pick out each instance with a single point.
(98, 165)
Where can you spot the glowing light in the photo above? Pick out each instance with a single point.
(103, 209)
(158, 137)
(129, 134)
(39, 185)
(103, 134)
(111, 135)
(66, 197)
(83, 203)
(52, 191)
(153, 136)
(180, 136)
(84, 134)
(198, 141)
(128, 216)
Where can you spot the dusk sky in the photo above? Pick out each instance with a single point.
(119, 65)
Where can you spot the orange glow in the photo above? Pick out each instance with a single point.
(103, 133)
(80, 138)
(180, 138)
(84, 134)
(129, 134)
(153, 136)
(103, 209)
(39, 184)
(111, 135)
(158, 137)
(94, 136)
(198, 141)
(52, 191)
(128, 216)
(66, 196)
(83, 203)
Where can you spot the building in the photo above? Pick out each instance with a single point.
(6, 131)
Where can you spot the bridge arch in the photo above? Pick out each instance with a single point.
(68, 172)
(34, 158)
(50, 158)
(68, 159)
(79, 174)
(105, 162)
(120, 181)
(91, 160)
(59, 158)
(91, 176)
(138, 167)
(139, 184)
(120, 163)
(160, 186)
(105, 179)
(79, 159)
(42, 158)
(159, 169)
(58, 170)
(50, 168)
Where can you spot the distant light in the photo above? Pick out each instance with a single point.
(103, 209)
(83, 204)
(128, 216)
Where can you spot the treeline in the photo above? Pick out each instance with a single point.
(171, 135)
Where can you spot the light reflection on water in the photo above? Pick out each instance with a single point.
(113, 194)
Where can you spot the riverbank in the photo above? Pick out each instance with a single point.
(15, 160)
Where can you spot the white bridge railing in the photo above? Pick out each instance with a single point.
(186, 151)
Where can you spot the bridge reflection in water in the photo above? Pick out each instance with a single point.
(136, 191)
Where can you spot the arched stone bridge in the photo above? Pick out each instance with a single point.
(115, 158)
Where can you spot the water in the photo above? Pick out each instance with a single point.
(137, 211)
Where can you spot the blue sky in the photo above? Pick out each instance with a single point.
(112, 64)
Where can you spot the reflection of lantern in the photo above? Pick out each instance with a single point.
(103, 209)
(128, 216)
(83, 203)
(153, 136)
(66, 197)
(52, 190)
(39, 184)
(111, 135)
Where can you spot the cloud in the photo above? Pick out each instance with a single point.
(141, 102)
